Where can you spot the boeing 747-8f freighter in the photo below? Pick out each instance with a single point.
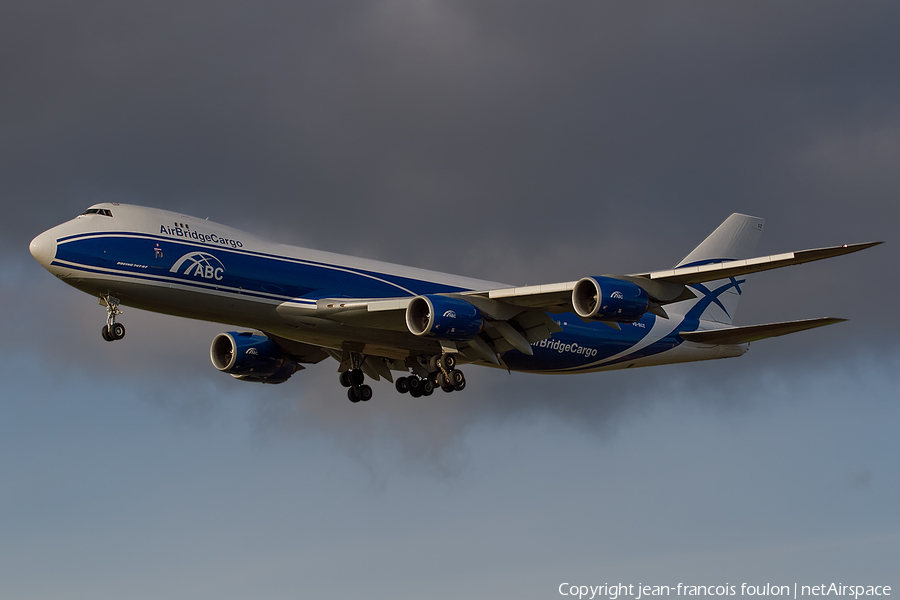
(376, 319)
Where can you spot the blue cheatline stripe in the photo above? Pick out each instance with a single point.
(186, 283)
(401, 283)
(705, 261)
(246, 273)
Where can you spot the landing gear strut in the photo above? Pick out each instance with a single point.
(112, 331)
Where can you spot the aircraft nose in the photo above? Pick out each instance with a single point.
(43, 248)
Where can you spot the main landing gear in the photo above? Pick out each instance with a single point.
(415, 386)
(356, 389)
(112, 331)
(442, 374)
(441, 370)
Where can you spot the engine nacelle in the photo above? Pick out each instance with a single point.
(442, 317)
(250, 357)
(610, 299)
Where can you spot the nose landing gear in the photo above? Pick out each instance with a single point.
(112, 331)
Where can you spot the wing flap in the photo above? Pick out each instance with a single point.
(753, 333)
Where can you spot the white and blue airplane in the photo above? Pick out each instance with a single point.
(376, 318)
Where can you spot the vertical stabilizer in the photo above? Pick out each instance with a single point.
(734, 239)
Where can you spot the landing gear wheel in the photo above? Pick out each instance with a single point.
(402, 385)
(356, 377)
(345, 379)
(117, 332)
(427, 388)
(364, 392)
(105, 333)
(415, 385)
(457, 380)
(447, 362)
(352, 395)
(444, 383)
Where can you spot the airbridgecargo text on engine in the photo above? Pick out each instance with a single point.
(561, 347)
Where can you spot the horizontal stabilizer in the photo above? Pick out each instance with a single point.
(752, 333)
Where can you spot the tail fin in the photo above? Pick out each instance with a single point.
(735, 239)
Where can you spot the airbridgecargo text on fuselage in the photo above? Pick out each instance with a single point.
(561, 347)
(210, 238)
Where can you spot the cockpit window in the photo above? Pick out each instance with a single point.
(98, 211)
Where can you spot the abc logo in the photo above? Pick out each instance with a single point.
(199, 264)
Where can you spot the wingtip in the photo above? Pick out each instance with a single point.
(862, 246)
(826, 320)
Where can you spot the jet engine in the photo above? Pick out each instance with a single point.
(443, 317)
(250, 357)
(607, 298)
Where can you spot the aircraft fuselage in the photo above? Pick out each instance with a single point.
(175, 264)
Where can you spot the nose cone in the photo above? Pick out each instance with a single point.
(43, 248)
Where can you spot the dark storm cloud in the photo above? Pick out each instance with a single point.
(374, 117)
(514, 141)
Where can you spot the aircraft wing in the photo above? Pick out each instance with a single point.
(663, 287)
(734, 268)
(516, 317)
(506, 326)
(753, 333)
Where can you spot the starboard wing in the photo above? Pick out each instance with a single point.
(663, 287)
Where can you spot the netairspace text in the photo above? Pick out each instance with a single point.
(795, 591)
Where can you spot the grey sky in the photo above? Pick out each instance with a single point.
(515, 141)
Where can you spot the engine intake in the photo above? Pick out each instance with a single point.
(442, 317)
(607, 298)
(250, 357)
